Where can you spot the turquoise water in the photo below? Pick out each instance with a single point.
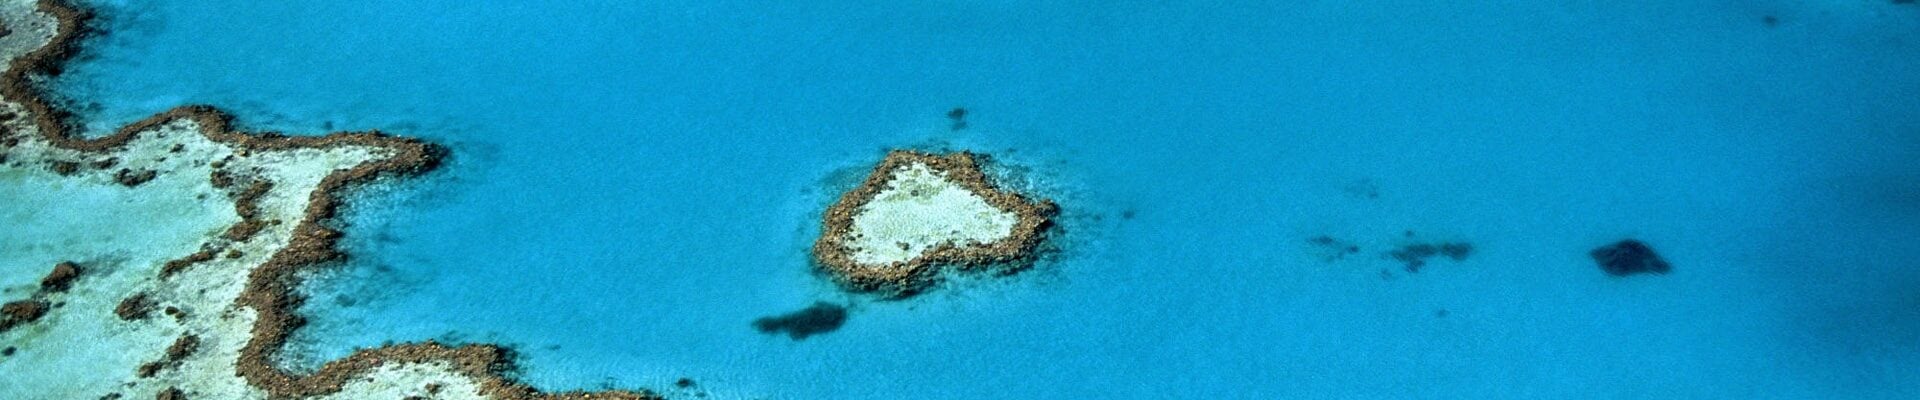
(632, 184)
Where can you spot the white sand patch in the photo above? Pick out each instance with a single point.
(396, 380)
(921, 209)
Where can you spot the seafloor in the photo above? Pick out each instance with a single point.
(1260, 200)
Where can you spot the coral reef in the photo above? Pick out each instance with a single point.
(917, 211)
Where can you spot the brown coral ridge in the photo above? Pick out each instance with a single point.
(269, 289)
(247, 205)
(905, 278)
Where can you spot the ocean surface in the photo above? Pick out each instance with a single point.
(632, 184)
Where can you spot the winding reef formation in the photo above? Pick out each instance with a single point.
(228, 292)
(918, 211)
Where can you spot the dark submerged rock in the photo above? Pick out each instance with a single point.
(1456, 251)
(820, 318)
(180, 350)
(959, 117)
(1628, 257)
(64, 168)
(220, 178)
(175, 266)
(134, 307)
(21, 312)
(244, 230)
(131, 178)
(1415, 255)
(61, 278)
(1332, 249)
(148, 370)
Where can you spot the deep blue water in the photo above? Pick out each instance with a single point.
(633, 183)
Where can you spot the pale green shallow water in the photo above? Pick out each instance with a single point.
(49, 220)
